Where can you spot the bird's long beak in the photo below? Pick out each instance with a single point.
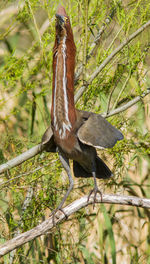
(60, 19)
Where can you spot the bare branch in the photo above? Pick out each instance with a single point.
(35, 24)
(95, 43)
(10, 11)
(39, 148)
(45, 226)
(44, 27)
(109, 58)
(26, 203)
(127, 105)
(21, 158)
(20, 175)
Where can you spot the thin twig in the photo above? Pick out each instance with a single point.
(112, 42)
(35, 24)
(46, 225)
(21, 158)
(21, 175)
(39, 148)
(109, 58)
(44, 27)
(95, 43)
(127, 105)
(10, 11)
(85, 39)
(26, 203)
(121, 91)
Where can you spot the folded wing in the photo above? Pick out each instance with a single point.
(48, 140)
(97, 131)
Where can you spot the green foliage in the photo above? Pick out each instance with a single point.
(110, 234)
(32, 190)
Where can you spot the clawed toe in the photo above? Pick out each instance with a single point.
(95, 191)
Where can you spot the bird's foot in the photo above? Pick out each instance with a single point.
(95, 190)
(53, 214)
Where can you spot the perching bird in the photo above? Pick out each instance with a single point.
(74, 133)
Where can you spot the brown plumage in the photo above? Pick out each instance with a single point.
(73, 133)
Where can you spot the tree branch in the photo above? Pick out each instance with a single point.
(46, 225)
(10, 11)
(109, 58)
(95, 43)
(26, 203)
(21, 158)
(35, 24)
(39, 148)
(20, 175)
(127, 105)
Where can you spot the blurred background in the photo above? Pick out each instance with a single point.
(107, 233)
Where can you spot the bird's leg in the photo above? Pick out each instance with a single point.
(95, 190)
(65, 163)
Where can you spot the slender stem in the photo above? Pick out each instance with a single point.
(21, 158)
(112, 42)
(127, 105)
(26, 203)
(109, 58)
(39, 148)
(95, 43)
(85, 38)
(122, 89)
(20, 175)
(35, 24)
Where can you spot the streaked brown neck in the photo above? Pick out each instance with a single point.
(63, 114)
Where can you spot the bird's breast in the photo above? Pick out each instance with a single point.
(75, 150)
(68, 145)
(63, 110)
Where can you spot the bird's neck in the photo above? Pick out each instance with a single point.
(63, 113)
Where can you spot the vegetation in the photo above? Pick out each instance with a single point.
(30, 191)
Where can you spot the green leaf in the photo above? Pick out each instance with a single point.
(110, 233)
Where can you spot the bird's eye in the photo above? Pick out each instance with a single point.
(66, 19)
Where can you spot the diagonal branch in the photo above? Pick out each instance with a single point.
(127, 105)
(109, 58)
(21, 158)
(26, 203)
(39, 148)
(95, 43)
(35, 23)
(45, 226)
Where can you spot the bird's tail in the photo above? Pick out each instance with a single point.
(102, 171)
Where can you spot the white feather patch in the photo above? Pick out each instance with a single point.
(66, 125)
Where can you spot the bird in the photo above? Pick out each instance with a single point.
(75, 134)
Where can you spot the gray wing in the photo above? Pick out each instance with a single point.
(48, 140)
(97, 131)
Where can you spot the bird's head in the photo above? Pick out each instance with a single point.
(63, 26)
